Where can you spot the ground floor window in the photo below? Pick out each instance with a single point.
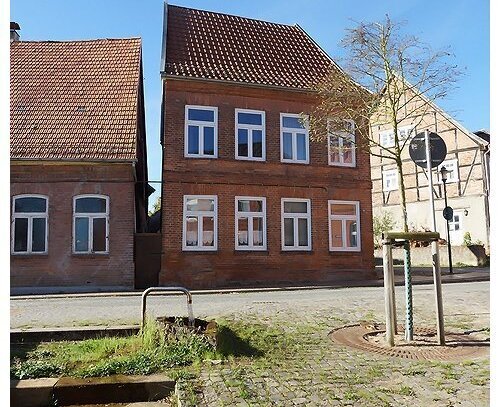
(29, 224)
(295, 224)
(344, 226)
(200, 222)
(250, 223)
(90, 224)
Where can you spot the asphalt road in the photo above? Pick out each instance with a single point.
(460, 301)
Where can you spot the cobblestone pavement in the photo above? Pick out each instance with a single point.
(312, 370)
(305, 367)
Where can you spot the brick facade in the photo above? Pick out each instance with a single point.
(60, 183)
(227, 177)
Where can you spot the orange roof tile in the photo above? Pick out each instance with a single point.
(74, 100)
(209, 45)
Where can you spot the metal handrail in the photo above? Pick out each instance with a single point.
(161, 289)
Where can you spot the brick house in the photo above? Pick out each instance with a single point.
(468, 184)
(78, 163)
(247, 198)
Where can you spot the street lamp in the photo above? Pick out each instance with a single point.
(447, 213)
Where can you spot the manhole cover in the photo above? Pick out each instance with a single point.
(371, 338)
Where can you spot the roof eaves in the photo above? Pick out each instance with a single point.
(164, 76)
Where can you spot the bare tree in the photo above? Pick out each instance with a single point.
(386, 74)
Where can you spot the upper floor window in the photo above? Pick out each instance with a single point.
(200, 222)
(29, 224)
(341, 146)
(294, 139)
(388, 140)
(250, 223)
(344, 225)
(250, 129)
(452, 167)
(200, 138)
(390, 180)
(90, 224)
(295, 224)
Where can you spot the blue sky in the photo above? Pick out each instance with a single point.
(462, 25)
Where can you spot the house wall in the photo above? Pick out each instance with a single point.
(466, 194)
(60, 267)
(227, 178)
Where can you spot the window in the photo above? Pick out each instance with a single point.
(341, 147)
(250, 135)
(250, 223)
(29, 224)
(200, 138)
(390, 180)
(456, 223)
(200, 222)
(387, 138)
(452, 167)
(294, 139)
(90, 224)
(344, 226)
(295, 224)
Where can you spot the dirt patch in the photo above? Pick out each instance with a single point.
(371, 338)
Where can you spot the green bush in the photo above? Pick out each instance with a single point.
(382, 224)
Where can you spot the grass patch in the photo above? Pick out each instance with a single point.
(150, 351)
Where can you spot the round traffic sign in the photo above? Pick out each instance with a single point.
(448, 213)
(418, 150)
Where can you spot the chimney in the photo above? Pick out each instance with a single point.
(14, 35)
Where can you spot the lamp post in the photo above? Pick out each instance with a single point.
(444, 177)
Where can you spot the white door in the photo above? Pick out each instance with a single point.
(456, 229)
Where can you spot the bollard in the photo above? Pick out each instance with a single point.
(389, 292)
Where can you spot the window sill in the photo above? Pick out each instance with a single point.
(90, 255)
(345, 252)
(297, 251)
(342, 165)
(199, 251)
(210, 157)
(28, 255)
(253, 251)
(294, 162)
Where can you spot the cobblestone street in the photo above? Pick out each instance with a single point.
(307, 368)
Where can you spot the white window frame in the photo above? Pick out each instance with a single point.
(385, 174)
(199, 215)
(91, 216)
(344, 219)
(460, 221)
(250, 128)
(250, 216)
(294, 132)
(453, 162)
(387, 139)
(295, 217)
(29, 216)
(201, 124)
(342, 135)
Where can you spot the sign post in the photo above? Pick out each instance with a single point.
(428, 150)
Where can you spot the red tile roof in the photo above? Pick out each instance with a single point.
(203, 44)
(74, 100)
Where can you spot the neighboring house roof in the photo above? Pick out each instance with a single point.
(216, 46)
(74, 100)
(485, 135)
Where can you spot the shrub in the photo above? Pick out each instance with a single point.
(382, 224)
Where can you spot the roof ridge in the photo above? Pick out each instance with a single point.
(74, 41)
(234, 15)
